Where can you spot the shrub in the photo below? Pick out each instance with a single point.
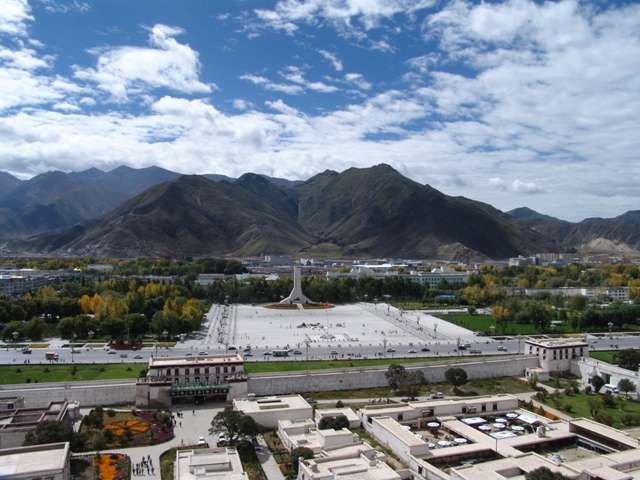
(339, 404)
(630, 419)
(28, 380)
(568, 391)
(18, 370)
(568, 407)
(46, 370)
(111, 412)
(587, 389)
(539, 396)
(608, 400)
(603, 418)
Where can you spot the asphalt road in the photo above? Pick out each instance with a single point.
(436, 349)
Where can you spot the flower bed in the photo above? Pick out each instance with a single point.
(112, 466)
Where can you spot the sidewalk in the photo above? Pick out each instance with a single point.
(269, 465)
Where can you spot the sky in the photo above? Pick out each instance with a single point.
(514, 103)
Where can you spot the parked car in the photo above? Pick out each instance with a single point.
(223, 438)
(138, 357)
(267, 353)
(123, 355)
(203, 353)
(436, 395)
(311, 400)
(502, 348)
(425, 349)
(231, 347)
(412, 351)
(391, 350)
(201, 441)
(26, 350)
(112, 352)
(297, 352)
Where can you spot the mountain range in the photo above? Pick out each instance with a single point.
(360, 212)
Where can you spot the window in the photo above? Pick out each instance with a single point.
(168, 372)
(495, 407)
(206, 370)
(217, 369)
(400, 417)
(196, 371)
(484, 407)
(226, 369)
(233, 368)
(176, 372)
(186, 371)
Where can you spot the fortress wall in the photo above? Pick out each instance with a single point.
(370, 377)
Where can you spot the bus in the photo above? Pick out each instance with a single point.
(281, 353)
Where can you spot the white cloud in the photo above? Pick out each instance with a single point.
(121, 71)
(14, 15)
(337, 64)
(515, 186)
(278, 87)
(358, 80)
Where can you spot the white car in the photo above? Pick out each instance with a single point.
(201, 441)
(223, 438)
(412, 351)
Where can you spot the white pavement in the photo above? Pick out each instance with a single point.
(357, 325)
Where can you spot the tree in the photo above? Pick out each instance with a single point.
(629, 358)
(298, 453)
(236, 425)
(595, 405)
(35, 328)
(408, 382)
(49, 431)
(545, 473)
(625, 385)
(336, 423)
(456, 376)
(394, 375)
(597, 382)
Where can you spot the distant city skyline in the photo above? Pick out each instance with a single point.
(515, 103)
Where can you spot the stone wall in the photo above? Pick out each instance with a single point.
(370, 377)
(88, 394)
(586, 368)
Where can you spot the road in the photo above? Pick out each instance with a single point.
(486, 345)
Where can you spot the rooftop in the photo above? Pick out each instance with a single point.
(266, 404)
(28, 461)
(188, 360)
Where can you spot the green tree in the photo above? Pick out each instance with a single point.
(336, 423)
(625, 385)
(597, 382)
(299, 453)
(14, 326)
(629, 358)
(545, 473)
(236, 425)
(409, 383)
(35, 328)
(51, 431)
(595, 405)
(456, 376)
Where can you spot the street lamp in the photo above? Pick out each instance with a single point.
(553, 329)
(15, 336)
(90, 335)
(73, 348)
(307, 341)
(493, 329)
(610, 327)
(519, 338)
(384, 343)
(164, 337)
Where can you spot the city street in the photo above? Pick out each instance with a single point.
(356, 331)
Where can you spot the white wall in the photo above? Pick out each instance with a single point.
(586, 367)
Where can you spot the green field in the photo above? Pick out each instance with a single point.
(10, 374)
(609, 356)
(482, 323)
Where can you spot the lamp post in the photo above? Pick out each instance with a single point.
(73, 348)
(493, 329)
(519, 338)
(164, 337)
(15, 336)
(307, 341)
(610, 328)
(90, 334)
(553, 329)
(384, 343)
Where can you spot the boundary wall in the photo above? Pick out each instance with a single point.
(88, 394)
(586, 368)
(283, 383)
(123, 392)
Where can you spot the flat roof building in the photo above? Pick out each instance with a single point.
(47, 462)
(267, 411)
(209, 464)
(556, 355)
(191, 379)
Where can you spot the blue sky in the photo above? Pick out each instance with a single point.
(513, 103)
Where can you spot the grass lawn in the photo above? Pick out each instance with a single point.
(483, 323)
(10, 374)
(291, 366)
(609, 356)
(580, 407)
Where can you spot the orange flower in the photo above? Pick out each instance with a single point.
(107, 466)
(136, 427)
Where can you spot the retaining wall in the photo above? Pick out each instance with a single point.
(370, 377)
(88, 394)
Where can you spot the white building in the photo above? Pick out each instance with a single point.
(368, 465)
(557, 355)
(208, 464)
(45, 462)
(267, 411)
(191, 379)
(352, 417)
